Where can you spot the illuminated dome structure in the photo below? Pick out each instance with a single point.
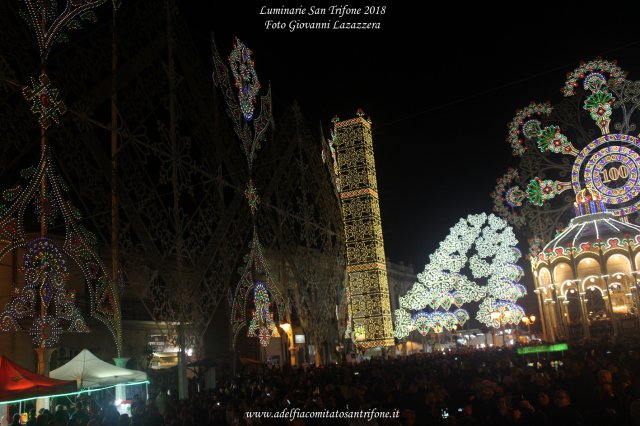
(585, 277)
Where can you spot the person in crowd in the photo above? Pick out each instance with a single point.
(16, 420)
(60, 417)
(162, 401)
(563, 413)
(79, 417)
(31, 421)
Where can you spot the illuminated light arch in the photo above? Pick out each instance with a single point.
(54, 207)
(566, 286)
(544, 277)
(618, 263)
(591, 281)
(595, 287)
(562, 272)
(588, 266)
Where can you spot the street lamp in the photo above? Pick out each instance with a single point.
(292, 347)
(529, 322)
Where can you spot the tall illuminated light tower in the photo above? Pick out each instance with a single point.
(368, 287)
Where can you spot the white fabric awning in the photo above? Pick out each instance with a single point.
(91, 372)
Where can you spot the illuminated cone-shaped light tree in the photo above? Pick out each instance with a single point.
(474, 263)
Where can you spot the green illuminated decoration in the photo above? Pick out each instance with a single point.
(559, 347)
(80, 392)
(539, 190)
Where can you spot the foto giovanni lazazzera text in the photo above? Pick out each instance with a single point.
(336, 17)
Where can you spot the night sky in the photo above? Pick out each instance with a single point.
(440, 86)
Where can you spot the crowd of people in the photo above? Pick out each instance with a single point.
(590, 384)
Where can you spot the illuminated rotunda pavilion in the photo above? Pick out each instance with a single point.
(586, 277)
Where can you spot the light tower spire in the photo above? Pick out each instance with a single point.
(366, 265)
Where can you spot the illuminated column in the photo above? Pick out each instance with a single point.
(366, 265)
(121, 391)
(539, 297)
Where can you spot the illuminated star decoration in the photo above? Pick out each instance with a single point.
(246, 78)
(262, 325)
(252, 196)
(475, 262)
(44, 101)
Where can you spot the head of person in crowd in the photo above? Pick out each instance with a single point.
(544, 400)
(561, 399)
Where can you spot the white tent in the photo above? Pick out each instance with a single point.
(90, 372)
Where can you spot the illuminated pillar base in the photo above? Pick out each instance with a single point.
(183, 389)
(44, 358)
(121, 392)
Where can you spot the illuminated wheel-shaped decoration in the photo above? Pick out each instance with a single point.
(610, 166)
(45, 331)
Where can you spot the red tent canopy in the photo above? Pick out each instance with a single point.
(19, 383)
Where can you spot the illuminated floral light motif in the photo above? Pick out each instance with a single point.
(255, 275)
(539, 191)
(252, 197)
(607, 165)
(522, 125)
(370, 306)
(43, 293)
(515, 196)
(255, 272)
(422, 322)
(485, 246)
(77, 245)
(507, 196)
(599, 66)
(252, 132)
(44, 100)
(262, 325)
(49, 21)
(438, 321)
(246, 78)
(599, 107)
(551, 139)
